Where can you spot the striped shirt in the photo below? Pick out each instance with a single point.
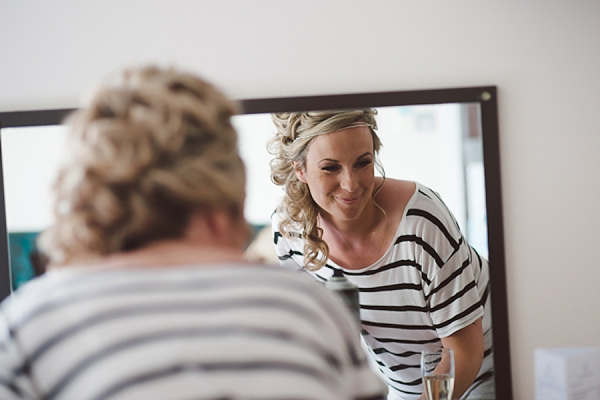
(428, 285)
(213, 332)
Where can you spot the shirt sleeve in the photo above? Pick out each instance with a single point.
(451, 272)
(454, 298)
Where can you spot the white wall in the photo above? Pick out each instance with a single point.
(542, 54)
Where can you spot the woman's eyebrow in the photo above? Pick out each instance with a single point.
(329, 160)
(366, 153)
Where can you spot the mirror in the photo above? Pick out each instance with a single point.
(446, 139)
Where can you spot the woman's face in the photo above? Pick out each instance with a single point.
(339, 172)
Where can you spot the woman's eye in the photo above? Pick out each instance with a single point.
(362, 164)
(330, 168)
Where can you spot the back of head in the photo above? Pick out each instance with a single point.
(150, 147)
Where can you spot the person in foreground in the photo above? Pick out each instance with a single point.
(421, 286)
(147, 295)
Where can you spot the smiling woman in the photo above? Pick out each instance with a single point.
(445, 139)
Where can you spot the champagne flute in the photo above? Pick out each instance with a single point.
(437, 371)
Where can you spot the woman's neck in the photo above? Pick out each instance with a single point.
(361, 242)
(168, 253)
(360, 228)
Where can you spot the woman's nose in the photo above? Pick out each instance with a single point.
(349, 181)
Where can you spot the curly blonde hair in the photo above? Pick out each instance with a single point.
(146, 151)
(295, 132)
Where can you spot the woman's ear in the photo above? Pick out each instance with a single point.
(300, 172)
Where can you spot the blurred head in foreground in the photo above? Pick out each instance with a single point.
(151, 149)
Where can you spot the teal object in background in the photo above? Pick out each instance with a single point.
(22, 254)
(26, 262)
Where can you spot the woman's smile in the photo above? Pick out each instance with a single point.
(347, 200)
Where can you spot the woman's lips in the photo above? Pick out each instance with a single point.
(349, 201)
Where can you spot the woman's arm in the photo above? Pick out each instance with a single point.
(467, 345)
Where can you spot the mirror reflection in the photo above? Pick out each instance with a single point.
(439, 146)
(422, 286)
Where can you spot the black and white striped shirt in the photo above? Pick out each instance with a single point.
(429, 284)
(212, 332)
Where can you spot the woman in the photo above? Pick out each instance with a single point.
(148, 295)
(421, 285)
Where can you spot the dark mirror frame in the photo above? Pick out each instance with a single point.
(485, 96)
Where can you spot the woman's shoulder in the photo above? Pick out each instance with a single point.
(428, 208)
(396, 187)
(430, 201)
(395, 194)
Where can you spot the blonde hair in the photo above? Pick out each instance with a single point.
(146, 151)
(295, 132)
